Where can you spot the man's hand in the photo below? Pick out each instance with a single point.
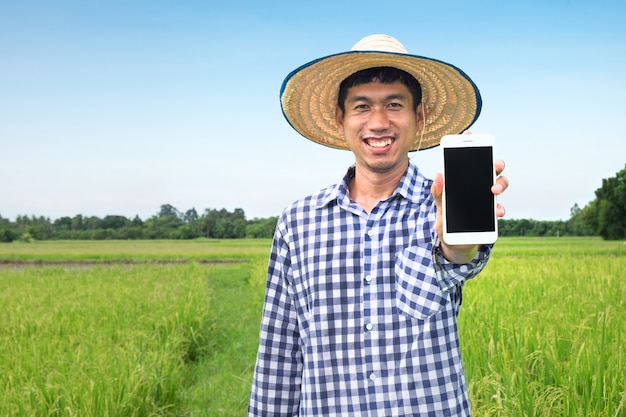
(464, 253)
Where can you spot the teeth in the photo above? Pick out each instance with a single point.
(380, 143)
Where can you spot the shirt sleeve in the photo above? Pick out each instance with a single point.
(451, 275)
(278, 370)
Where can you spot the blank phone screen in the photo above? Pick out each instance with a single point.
(468, 181)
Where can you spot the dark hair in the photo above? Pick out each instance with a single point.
(385, 75)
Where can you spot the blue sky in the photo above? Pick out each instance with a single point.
(118, 107)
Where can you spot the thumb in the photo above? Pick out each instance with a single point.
(437, 188)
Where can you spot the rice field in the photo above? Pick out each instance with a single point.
(169, 328)
(543, 330)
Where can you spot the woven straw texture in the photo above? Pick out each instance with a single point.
(309, 95)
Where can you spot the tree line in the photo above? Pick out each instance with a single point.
(605, 216)
(168, 223)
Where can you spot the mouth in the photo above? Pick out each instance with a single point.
(379, 142)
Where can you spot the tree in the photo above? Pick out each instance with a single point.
(261, 228)
(170, 211)
(40, 228)
(577, 225)
(114, 222)
(190, 216)
(78, 223)
(207, 222)
(63, 223)
(607, 213)
(191, 228)
(7, 235)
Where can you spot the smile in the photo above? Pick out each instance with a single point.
(379, 143)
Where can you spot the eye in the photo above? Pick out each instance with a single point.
(395, 105)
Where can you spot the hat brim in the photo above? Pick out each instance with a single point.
(309, 95)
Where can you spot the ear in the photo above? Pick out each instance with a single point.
(421, 116)
(339, 120)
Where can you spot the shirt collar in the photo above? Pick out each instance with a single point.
(413, 187)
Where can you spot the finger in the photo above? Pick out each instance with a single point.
(437, 191)
(500, 211)
(499, 166)
(502, 183)
(437, 188)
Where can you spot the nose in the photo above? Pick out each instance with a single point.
(378, 120)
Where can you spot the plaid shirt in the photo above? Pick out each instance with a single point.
(360, 310)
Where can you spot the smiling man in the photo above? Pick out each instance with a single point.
(362, 295)
(378, 112)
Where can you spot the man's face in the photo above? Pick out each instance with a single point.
(379, 125)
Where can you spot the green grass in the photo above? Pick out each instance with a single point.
(224, 374)
(543, 330)
(151, 328)
(132, 251)
(136, 328)
(99, 341)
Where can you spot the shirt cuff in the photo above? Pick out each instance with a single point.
(450, 274)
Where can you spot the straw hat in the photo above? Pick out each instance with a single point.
(308, 95)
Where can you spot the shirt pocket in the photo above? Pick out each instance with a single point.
(418, 293)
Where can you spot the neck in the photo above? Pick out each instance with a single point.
(368, 187)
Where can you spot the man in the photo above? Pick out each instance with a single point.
(362, 294)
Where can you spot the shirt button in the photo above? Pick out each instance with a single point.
(370, 233)
(368, 278)
(372, 376)
(369, 326)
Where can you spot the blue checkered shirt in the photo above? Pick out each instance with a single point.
(360, 310)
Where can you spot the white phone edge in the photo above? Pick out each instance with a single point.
(467, 238)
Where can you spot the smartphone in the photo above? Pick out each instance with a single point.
(469, 206)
